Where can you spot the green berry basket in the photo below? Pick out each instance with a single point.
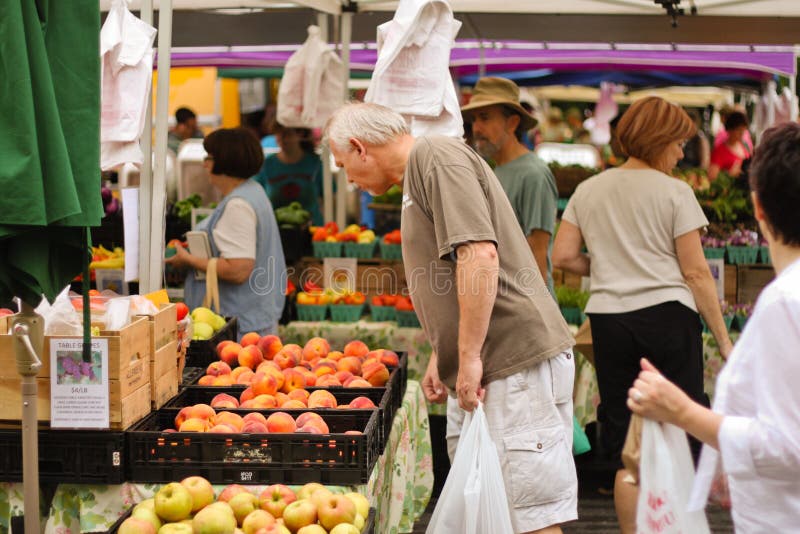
(312, 312)
(714, 253)
(742, 255)
(391, 251)
(740, 322)
(763, 253)
(728, 318)
(573, 315)
(407, 318)
(325, 249)
(346, 313)
(382, 313)
(359, 250)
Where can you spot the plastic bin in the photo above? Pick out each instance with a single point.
(742, 255)
(714, 253)
(325, 249)
(312, 312)
(346, 313)
(201, 353)
(382, 313)
(391, 251)
(407, 318)
(359, 250)
(763, 254)
(573, 315)
(297, 458)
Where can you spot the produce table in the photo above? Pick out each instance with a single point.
(399, 487)
(587, 397)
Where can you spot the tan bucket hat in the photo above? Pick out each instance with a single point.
(491, 91)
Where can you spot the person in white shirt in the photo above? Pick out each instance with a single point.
(752, 433)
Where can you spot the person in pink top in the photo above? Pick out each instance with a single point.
(729, 155)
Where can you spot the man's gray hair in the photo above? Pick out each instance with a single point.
(370, 123)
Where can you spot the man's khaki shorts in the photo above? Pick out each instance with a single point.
(530, 420)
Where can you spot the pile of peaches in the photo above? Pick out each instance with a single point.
(268, 367)
(204, 418)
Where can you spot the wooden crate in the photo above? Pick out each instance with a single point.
(163, 327)
(131, 409)
(125, 347)
(164, 360)
(164, 388)
(164, 375)
(751, 279)
(730, 283)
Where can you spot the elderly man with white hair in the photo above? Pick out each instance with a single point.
(497, 334)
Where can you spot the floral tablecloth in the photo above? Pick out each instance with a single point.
(587, 397)
(375, 334)
(399, 487)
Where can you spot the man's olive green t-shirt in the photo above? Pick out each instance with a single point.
(451, 197)
(531, 189)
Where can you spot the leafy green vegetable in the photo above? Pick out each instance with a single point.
(568, 297)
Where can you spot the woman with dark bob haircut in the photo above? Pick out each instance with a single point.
(649, 277)
(753, 430)
(243, 236)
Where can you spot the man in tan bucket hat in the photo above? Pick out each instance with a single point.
(498, 124)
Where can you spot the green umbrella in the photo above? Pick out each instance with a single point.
(49, 175)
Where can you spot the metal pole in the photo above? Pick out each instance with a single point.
(146, 172)
(27, 328)
(341, 185)
(327, 176)
(159, 205)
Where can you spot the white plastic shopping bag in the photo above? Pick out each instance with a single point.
(666, 475)
(473, 500)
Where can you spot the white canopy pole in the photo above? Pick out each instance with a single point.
(159, 191)
(327, 176)
(341, 185)
(146, 172)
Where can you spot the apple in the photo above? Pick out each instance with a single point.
(361, 502)
(233, 489)
(212, 520)
(256, 520)
(176, 528)
(299, 514)
(336, 509)
(134, 525)
(149, 515)
(242, 505)
(147, 503)
(274, 499)
(275, 528)
(173, 502)
(320, 495)
(359, 522)
(345, 528)
(201, 491)
(312, 529)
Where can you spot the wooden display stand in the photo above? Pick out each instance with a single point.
(164, 356)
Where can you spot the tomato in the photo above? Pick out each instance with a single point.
(182, 310)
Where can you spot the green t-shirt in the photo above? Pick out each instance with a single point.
(531, 189)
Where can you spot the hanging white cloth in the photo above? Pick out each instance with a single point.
(126, 49)
(599, 125)
(412, 74)
(312, 87)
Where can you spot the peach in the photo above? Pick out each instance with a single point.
(322, 398)
(250, 338)
(255, 417)
(335, 355)
(376, 374)
(362, 402)
(203, 411)
(254, 427)
(270, 345)
(246, 377)
(222, 380)
(281, 398)
(357, 382)
(237, 371)
(305, 417)
(309, 429)
(250, 356)
(194, 424)
(230, 491)
(285, 360)
(218, 368)
(327, 381)
(248, 404)
(292, 379)
(247, 394)
(229, 353)
(316, 346)
(320, 425)
(353, 432)
(349, 363)
(182, 416)
(222, 429)
(222, 344)
(356, 348)
(293, 349)
(293, 404)
(299, 394)
(311, 378)
(281, 422)
(325, 368)
(223, 400)
(343, 376)
(264, 402)
(264, 384)
(277, 373)
(263, 366)
(233, 420)
(390, 358)
(206, 380)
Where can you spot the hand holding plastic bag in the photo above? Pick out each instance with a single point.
(666, 475)
(473, 500)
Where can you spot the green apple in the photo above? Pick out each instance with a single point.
(299, 514)
(213, 520)
(243, 504)
(173, 502)
(147, 503)
(334, 510)
(345, 528)
(201, 490)
(176, 528)
(361, 502)
(359, 522)
(312, 529)
(256, 520)
(148, 515)
(134, 525)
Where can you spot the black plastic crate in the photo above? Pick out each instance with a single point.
(336, 458)
(296, 241)
(201, 353)
(85, 457)
(191, 375)
(382, 397)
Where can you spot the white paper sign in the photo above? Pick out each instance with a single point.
(78, 389)
(717, 267)
(339, 274)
